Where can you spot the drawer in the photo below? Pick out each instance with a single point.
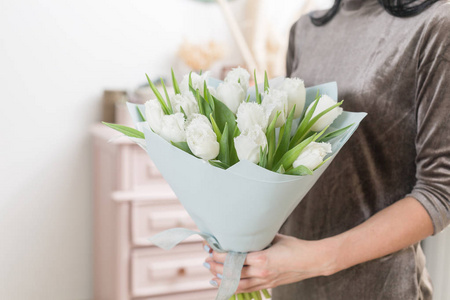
(149, 219)
(159, 272)
(143, 170)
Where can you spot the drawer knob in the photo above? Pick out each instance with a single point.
(181, 272)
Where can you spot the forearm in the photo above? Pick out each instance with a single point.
(402, 224)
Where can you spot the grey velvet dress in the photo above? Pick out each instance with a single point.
(398, 71)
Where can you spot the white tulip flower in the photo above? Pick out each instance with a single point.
(312, 155)
(172, 128)
(198, 82)
(276, 101)
(296, 93)
(154, 115)
(248, 144)
(324, 103)
(239, 75)
(251, 114)
(185, 101)
(231, 94)
(212, 91)
(201, 138)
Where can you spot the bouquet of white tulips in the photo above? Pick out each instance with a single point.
(231, 152)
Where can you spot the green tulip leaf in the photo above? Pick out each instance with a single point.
(215, 127)
(218, 164)
(222, 115)
(224, 153)
(285, 136)
(176, 88)
(258, 95)
(158, 96)
(183, 146)
(289, 157)
(334, 134)
(271, 141)
(302, 126)
(266, 82)
(300, 170)
(169, 105)
(141, 116)
(128, 131)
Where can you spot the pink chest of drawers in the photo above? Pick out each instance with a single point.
(131, 203)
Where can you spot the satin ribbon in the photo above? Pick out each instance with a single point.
(234, 261)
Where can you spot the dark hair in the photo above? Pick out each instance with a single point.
(398, 8)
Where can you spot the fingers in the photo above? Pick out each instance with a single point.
(206, 247)
(245, 285)
(219, 257)
(216, 269)
(257, 259)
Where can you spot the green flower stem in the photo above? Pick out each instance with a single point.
(266, 294)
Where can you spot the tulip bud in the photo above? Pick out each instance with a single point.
(154, 115)
(172, 128)
(198, 82)
(276, 101)
(185, 101)
(324, 103)
(231, 94)
(296, 93)
(251, 114)
(312, 155)
(201, 138)
(239, 75)
(248, 144)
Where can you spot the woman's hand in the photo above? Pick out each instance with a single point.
(288, 260)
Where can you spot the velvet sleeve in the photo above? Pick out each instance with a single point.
(432, 188)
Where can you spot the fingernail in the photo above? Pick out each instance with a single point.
(213, 283)
(211, 254)
(206, 265)
(220, 276)
(206, 248)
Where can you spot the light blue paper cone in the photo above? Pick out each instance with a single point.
(244, 206)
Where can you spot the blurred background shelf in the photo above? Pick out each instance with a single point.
(131, 203)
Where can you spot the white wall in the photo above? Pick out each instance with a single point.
(437, 251)
(56, 57)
